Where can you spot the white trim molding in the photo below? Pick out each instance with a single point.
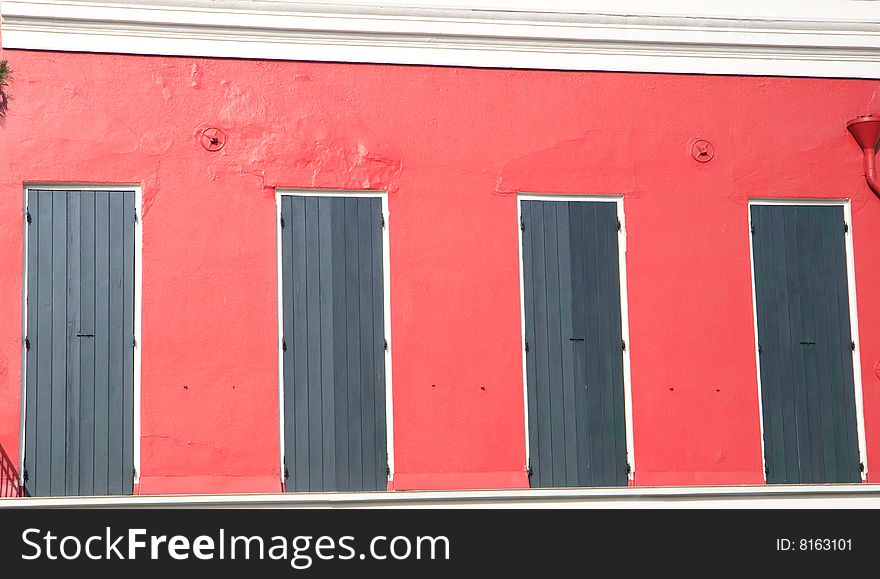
(852, 496)
(821, 38)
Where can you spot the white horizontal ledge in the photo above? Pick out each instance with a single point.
(486, 37)
(781, 496)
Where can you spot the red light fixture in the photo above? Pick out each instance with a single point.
(866, 131)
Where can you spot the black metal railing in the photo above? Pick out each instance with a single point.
(9, 478)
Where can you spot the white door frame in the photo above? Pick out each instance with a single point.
(853, 318)
(386, 306)
(624, 311)
(138, 286)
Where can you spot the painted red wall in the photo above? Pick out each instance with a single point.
(452, 147)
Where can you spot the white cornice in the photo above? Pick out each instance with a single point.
(851, 496)
(482, 35)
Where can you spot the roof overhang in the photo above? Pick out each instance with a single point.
(785, 38)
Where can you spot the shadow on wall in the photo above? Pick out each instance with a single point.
(8, 477)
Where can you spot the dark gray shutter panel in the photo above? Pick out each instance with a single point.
(333, 326)
(574, 358)
(807, 384)
(80, 325)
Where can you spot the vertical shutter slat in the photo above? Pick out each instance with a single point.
(32, 309)
(127, 346)
(313, 345)
(74, 381)
(366, 233)
(380, 397)
(327, 295)
(87, 346)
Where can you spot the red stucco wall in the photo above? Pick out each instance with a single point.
(452, 147)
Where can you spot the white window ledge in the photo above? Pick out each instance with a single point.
(831, 38)
(776, 496)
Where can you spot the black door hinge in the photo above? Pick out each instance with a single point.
(766, 472)
(286, 472)
(134, 472)
(283, 345)
(629, 468)
(527, 345)
(385, 345)
(852, 346)
(861, 467)
(752, 228)
(27, 343)
(382, 222)
(530, 471)
(135, 216)
(134, 343)
(27, 215)
(522, 224)
(387, 466)
(845, 227)
(623, 345)
(25, 476)
(619, 225)
(282, 221)
(759, 348)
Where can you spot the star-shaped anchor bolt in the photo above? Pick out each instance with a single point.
(213, 139)
(702, 151)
